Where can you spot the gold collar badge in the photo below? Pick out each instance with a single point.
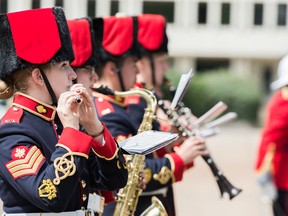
(41, 109)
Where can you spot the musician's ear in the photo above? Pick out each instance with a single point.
(37, 76)
(112, 67)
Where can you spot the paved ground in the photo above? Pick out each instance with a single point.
(233, 151)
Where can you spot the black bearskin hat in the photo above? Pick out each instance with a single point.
(82, 36)
(151, 34)
(32, 37)
(114, 37)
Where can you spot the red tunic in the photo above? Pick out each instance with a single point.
(273, 148)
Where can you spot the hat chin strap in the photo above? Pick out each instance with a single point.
(118, 71)
(49, 88)
(152, 66)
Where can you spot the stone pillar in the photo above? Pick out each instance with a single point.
(183, 64)
(185, 13)
(47, 3)
(130, 7)
(19, 5)
(75, 8)
(239, 8)
(103, 8)
(213, 14)
(270, 14)
(242, 67)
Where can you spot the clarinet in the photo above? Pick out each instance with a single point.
(225, 187)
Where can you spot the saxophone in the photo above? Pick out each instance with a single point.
(127, 197)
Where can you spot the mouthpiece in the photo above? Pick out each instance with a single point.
(78, 99)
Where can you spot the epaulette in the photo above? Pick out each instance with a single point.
(103, 106)
(132, 100)
(13, 115)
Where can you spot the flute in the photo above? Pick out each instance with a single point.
(78, 99)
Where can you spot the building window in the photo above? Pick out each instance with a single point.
(59, 3)
(225, 13)
(165, 9)
(258, 14)
(3, 6)
(35, 4)
(91, 8)
(282, 14)
(202, 12)
(114, 7)
(267, 78)
(207, 64)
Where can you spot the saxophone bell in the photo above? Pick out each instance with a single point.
(155, 209)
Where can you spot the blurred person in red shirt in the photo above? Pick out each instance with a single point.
(272, 155)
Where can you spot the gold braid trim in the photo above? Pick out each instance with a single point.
(111, 158)
(65, 166)
(74, 153)
(172, 167)
(164, 175)
(47, 190)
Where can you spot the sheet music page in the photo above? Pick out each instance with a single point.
(181, 88)
(211, 114)
(147, 141)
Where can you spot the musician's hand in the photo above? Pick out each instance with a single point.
(142, 183)
(188, 122)
(163, 120)
(191, 148)
(67, 110)
(87, 112)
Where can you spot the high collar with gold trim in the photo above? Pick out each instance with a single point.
(116, 99)
(34, 106)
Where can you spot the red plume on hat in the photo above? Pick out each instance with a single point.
(114, 37)
(82, 36)
(151, 33)
(33, 37)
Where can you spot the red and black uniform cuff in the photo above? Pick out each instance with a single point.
(177, 166)
(109, 149)
(108, 195)
(188, 166)
(161, 152)
(76, 141)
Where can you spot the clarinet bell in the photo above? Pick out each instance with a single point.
(227, 190)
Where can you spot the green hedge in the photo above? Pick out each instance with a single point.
(208, 88)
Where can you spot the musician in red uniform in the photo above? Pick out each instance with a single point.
(272, 157)
(115, 37)
(48, 164)
(152, 42)
(84, 63)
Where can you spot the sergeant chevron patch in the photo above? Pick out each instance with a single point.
(25, 161)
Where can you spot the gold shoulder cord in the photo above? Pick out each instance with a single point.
(164, 175)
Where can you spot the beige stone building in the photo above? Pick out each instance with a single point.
(246, 36)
